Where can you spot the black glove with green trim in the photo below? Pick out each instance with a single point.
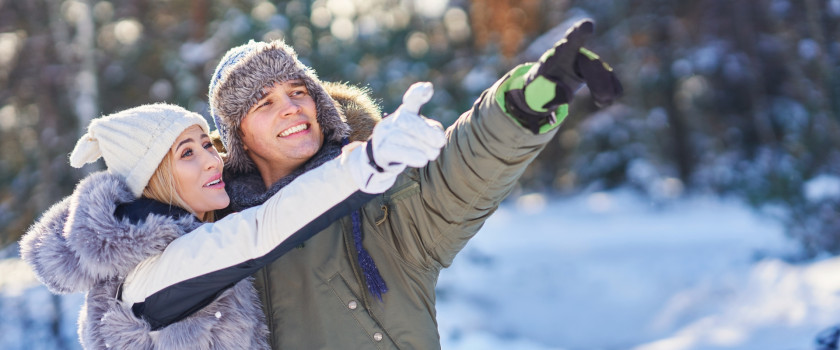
(552, 82)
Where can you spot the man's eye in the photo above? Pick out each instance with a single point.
(261, 105)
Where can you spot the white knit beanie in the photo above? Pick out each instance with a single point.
(134, 141)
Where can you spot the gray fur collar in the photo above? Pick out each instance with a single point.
(79, 246)
(78, 241)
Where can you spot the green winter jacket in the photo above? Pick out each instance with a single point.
(314, 297)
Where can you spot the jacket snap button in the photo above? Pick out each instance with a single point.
(377, 336)
(352, 305)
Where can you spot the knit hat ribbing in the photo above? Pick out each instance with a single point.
(239, 82)
(134, 141)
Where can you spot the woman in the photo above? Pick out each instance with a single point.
(127, 252)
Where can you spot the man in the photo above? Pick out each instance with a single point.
(368, 280)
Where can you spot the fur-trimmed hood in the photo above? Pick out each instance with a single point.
(79, 242)
(80, 245)
(359, 110)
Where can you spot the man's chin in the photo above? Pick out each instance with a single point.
(300, 149)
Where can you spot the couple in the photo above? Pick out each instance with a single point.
(344, 239)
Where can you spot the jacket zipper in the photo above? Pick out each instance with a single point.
(269, 321)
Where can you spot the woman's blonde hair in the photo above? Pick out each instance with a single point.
(162, 188)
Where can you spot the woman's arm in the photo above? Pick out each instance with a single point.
(195, 268)
(199, 265)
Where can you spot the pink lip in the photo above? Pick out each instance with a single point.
(220, 184)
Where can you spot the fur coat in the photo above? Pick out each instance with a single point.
(79, 245)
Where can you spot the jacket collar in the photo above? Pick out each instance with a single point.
(79, 241)
(140, 209)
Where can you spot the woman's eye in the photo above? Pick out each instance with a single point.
(208, 145)
(186, 153)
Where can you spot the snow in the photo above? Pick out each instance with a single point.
(613, 271)
(604, 270)
(822, 187)
(28, 311)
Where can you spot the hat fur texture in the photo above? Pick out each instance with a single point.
(239, 82)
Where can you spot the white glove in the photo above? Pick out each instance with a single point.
(404, 138)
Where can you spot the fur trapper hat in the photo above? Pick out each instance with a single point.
(134, 141)
(239, 82)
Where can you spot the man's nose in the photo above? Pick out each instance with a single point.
(289, 107)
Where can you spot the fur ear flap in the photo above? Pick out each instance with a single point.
(86, 151)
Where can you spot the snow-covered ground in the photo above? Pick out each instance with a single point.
(597, 271)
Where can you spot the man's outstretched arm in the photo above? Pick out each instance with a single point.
(489, 147)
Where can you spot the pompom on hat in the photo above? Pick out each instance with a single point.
(134, 141)
(239, 82)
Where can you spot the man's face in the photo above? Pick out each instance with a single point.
(281, 131)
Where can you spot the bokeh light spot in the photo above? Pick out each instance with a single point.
(127, 31)
(417, 44)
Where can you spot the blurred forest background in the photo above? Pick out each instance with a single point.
(734, 98)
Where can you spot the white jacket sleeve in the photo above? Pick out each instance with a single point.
(251, 234)
(196, 267)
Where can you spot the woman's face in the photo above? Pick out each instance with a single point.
(197, 169)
